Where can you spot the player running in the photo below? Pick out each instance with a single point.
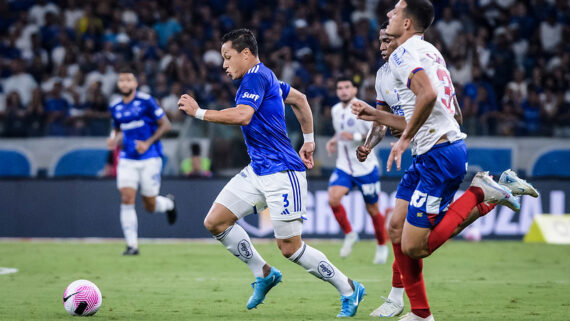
(138, 124)
(275, 178)
(349, 172)
(439, 154)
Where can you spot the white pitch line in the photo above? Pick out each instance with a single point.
(4, 270)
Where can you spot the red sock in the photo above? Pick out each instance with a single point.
(396, 277)
(412, 277)
(341, 218)
(379, 222)
(456, 214)
(485, 208)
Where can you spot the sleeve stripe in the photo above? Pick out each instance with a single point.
(412, 75)
(381, 103)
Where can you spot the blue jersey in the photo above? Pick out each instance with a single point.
(268, 145)
(138, 120)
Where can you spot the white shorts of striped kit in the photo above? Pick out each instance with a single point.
(284, 193)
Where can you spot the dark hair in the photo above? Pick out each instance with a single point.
(421, 12)
(346, 78)
(241, 39)
(196, 150)
(126, 69)
(384, 25)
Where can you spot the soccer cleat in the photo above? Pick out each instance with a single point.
(261, 286)
(388, 309)
(349, 240)
(131, 251)
(410, 316)
(518, 186)
(171, 214)
(381, 254)
(349, 303)
(495, 193)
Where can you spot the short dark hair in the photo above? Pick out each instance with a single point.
(384, 25)
(346, 78)
(241, 39)
(421, 12)
(126, 69)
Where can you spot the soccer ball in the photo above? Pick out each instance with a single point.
(82, 298)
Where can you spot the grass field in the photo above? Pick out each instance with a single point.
(202, 281)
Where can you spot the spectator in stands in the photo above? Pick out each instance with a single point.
(532, 112)
(196, 165)
(14, 116)
(20, 81)
(170, 106)
(448, 27)
(57, 109)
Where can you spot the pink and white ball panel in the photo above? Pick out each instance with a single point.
(82, 297)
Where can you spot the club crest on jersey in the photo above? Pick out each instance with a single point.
(244, 249)
(326, 270)
(250, 96)
(350, 122)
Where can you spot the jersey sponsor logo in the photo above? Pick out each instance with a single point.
(132, 125)
(370, 189)
(397, 56)
(250, 96)
(244, 249)
(326, 270)
(397, 110)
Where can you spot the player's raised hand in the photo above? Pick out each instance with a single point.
(362, 152)
(188, 105)
(396, 153)
(141, 146)
(363, 111)
(306, 154)
(331, 146)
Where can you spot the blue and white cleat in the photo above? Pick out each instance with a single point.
(495, 193)
(261, 286)
(518, 186)
(349, 304)
(388, 309)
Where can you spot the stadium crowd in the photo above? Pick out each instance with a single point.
(510, 60)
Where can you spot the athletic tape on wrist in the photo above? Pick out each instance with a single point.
(200, 113)
(309, 138)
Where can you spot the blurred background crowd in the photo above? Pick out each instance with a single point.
(509, 60)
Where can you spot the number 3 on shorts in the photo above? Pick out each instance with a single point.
(285, 200)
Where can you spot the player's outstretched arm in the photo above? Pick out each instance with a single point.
(239, 115)
(367, 112)
(115, 139)
(302, 110)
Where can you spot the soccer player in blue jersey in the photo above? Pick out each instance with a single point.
(138, 124)
(275, 178)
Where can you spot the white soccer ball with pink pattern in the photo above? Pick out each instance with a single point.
(82, 298)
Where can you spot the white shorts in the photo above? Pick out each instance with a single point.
(284, 193)
(146, 172)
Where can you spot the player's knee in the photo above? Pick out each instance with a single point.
(395, 232)
(414, 251)
(287, 249)
(210, 224)
(127, 198)
(334, 202)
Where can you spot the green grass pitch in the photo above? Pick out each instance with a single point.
(202, 281)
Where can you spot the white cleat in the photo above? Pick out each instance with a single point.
(495, 193)
(388, 309)
(349, 240)
(518, 186)
(381, 255)
(410, 316)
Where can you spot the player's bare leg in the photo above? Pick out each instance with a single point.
(129, 222)
(394, 304)
(316, 263)
(161, 204)
(336, 193)
(379, 222)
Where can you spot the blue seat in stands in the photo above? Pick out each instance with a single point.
(553, 163)
(14, 164)
(81, 162)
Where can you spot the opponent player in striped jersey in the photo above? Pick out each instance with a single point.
(275, 178)
(412, 181)
(349, 172)
(138, 124)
